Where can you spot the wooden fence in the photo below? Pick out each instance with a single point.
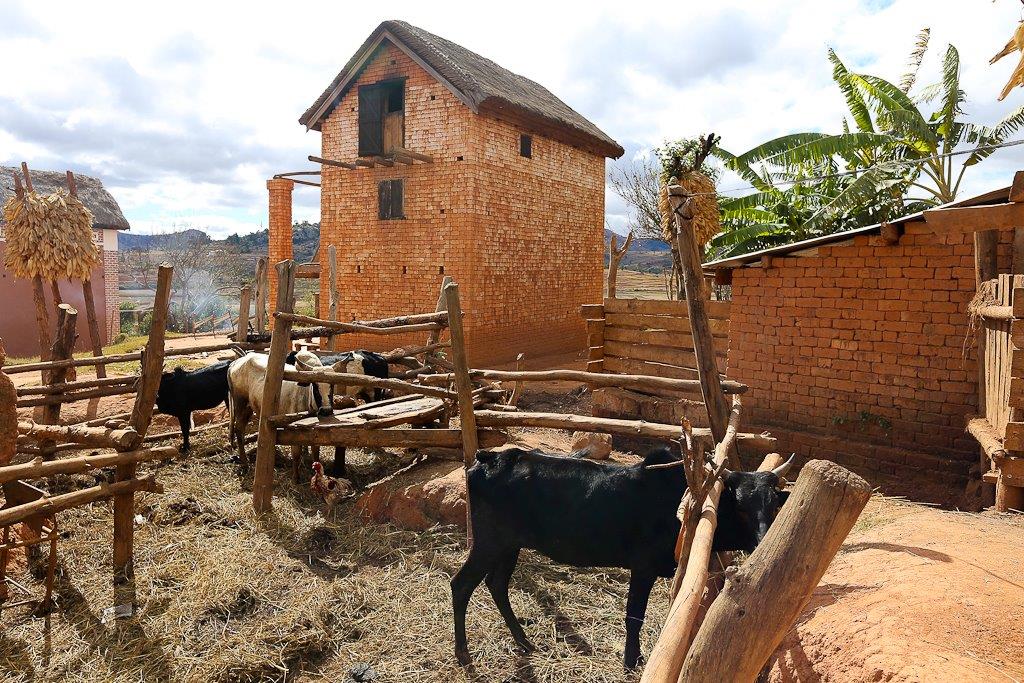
(650, 337)
(1000, 429)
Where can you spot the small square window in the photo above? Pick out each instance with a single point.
(390, 200)
(526, 146)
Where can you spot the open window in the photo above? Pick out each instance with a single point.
(381, 118)
(390, 200)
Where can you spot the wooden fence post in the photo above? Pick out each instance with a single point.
(280, 343)
(242, 328)
(761, 601)
(703, 341)
(262, 284)
(332, 284)
(464, 387)
(142, 415)
(62, 349)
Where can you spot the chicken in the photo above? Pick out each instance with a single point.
(1017, 77)
(330, 489)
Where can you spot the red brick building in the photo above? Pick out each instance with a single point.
(448, 164)
(859, 349)
(18, 326)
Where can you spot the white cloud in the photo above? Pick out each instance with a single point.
(184, 109)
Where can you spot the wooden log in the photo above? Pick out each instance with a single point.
(332, 328)
(614, 259)
(418, 156)
(153, 354)
(242, 327)
(484, 418)
(597, 379)
(332, 162)
(332, 284)
(307, 270)
(39, 468)
(368, 437)
(47, 505)
(128, 357)
(995, 312)
(972, 219)
(630, 366)
(100, 421)
(398, 321)
(72, 396)
(152, 438)
(662, 354)
(592, 311)
(719, 328)
(94, 326)
(693, 282)
(122, 439)
(43, 320)
(718, 310)
(517, 390)
(80, 384)
(412, 351)
(696, 537)
(652, 337)
(263, 477)
(396, 385)
(769, 591)
(442, 307)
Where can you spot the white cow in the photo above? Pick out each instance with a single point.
(246, 377)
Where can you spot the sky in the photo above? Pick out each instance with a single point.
(185, 109)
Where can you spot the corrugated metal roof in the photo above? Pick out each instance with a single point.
(991, 197)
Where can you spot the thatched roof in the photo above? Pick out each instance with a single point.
(105, 211)
(482, 85)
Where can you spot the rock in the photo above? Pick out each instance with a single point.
(440, 498)
(600, 445)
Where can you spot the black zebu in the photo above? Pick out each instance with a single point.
(591, 514)
(183, 391)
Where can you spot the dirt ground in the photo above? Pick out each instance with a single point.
(916, 593)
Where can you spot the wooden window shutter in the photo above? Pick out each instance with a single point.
(371, 121)
(526, 145)
(384, 199)
(397, 199)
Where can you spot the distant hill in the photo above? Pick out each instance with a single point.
(306, 237)
(638, 244)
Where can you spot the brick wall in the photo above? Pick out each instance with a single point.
(863, 354)
(522, 237)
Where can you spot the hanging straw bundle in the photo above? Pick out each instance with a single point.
(704, 203)
(49, 236)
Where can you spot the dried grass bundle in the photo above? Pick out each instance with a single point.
(705, 223)
(49, 235)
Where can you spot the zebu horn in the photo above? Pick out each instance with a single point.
(781, 470)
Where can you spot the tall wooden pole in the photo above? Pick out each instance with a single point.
(703, 341)
(95, 340)
(242, 328)
(142, 415)
(262, 283)
(464, 387)
(280, 342)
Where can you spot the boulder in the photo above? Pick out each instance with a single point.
(599, 445)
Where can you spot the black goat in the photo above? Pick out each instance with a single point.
(591, 514)
(184, 391)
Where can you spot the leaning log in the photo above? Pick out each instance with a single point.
(606, 425)
(598, 379)
(38, 468)
(367, 437)
(695, 553)
(72, 396)
(102, 437)
(74, 386)
(127, 357)
(48, 505)
(762, 600)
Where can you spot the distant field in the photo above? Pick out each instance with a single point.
(635, 285)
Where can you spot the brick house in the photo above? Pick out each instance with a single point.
(858, 348)
(441, 162)
(18, 321)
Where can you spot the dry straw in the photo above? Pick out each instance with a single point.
(703, 203)
(49, 235)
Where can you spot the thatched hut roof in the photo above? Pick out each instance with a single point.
(485, 87)
(105, 211)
